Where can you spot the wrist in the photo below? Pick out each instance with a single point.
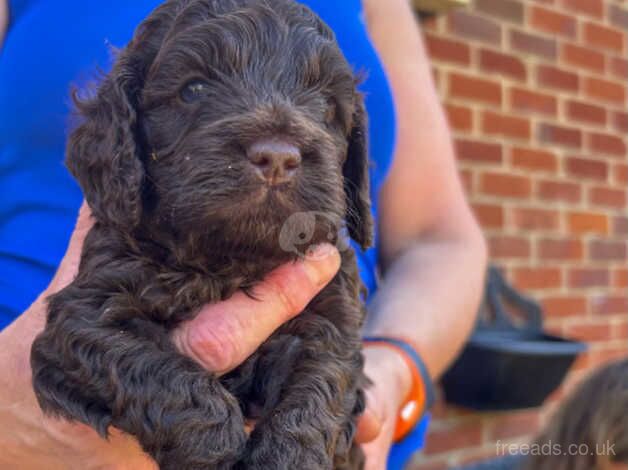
(386, 366)
(420, 395)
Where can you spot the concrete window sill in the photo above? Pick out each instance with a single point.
(438, 6)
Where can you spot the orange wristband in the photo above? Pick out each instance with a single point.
(417, 400)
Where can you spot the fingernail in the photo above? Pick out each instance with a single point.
(321, 263)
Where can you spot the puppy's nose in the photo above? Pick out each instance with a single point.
(275, 161)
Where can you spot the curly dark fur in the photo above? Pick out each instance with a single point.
(590, 429)
(181, 221)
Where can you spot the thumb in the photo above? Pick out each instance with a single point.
(224, 334)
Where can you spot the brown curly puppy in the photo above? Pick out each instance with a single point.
(220, 120)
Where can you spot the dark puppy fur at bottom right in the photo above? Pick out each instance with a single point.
(220, 122)
(590, 429)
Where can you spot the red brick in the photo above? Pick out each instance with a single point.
(605, 90)
(552, 22)
(438, 464)
(477, 151)
(593, 8)
(510, 425)
(588, 277)
(531, 101)
(508, 10)
(533, 44)
(562, 250)
(620, 173)
(588, 222)
(620, 121)
(477, 89)
(447, 50)
(468, 25)
(553, 77)
(502, 64)
(604, 196)
(506, 185)
(506, 126)
(618, 16)
(581, 363)
(607, 144)
(504, 246)
(605, 305)
(583, 57)
(558, 135)
(597, 35)
(584, 112)
(620, 278)
(534, 160)
(606, 250)
(466, 177)
(589, 331)
(620, 331)
(473, 456)
(587, 168)
(564, 306)
(457, 436)
(535, 219)
(601, 357)
(489, 215)
(460, 118)
(537, 278)
(560, 191)
(620, 225)
(619, 66)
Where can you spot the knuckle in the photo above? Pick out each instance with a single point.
(216, 348)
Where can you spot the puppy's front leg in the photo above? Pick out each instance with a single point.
(310, 420)
(102, 361)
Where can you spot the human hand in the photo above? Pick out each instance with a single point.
(220, 337)
(391, 384)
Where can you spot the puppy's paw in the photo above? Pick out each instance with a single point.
(281, 450)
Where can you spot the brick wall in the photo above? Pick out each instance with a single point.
(536, 92)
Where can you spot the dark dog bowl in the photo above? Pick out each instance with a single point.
(507, 370)
(506, 367)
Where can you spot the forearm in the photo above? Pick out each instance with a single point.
(25, 437)
(430, 296)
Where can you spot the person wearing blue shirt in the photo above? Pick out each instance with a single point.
(424, 273)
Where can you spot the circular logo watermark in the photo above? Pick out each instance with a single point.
(302, 229)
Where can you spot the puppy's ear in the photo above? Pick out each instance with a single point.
(356, 180)
(103, 153)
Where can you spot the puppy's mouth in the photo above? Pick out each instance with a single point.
(273, 194)
(278, 203)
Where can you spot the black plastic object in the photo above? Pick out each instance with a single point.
(508, 363)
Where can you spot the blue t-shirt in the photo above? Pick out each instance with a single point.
(52, 44)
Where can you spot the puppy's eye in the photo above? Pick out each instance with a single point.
(194, 91)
